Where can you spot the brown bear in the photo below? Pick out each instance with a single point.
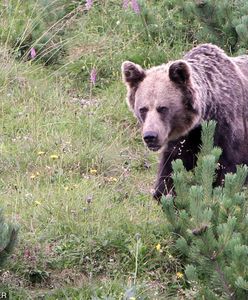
(171, 101)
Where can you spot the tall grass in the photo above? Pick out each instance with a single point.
(74, 172)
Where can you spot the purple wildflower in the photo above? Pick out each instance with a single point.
(32, 52)
(125, 4)
(135, 6)
(93, 74)
(89, 4)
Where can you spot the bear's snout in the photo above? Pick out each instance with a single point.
(151, 140)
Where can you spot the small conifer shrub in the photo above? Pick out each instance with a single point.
(210, 225)
(8, 238)
(224, 23)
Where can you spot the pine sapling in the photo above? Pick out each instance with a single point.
(8, 238)
(210, 225)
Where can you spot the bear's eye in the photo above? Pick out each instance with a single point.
(143, 111)
(162, 109)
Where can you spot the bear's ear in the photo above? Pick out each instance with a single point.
(132, 73)
(179, 72)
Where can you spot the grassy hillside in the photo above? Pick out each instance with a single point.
(74, 172)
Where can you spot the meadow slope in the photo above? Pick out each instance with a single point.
(74, 172)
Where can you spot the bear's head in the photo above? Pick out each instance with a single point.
(163, 99)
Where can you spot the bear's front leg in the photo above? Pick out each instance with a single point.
(186, 149)
(164, 183)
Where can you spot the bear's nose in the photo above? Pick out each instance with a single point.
(150, 137)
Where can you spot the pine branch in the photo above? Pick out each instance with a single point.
(8, 238)
(230, 293)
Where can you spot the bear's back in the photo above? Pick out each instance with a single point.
(212, 58)
(205, 52)
(224, 78)
(242, 64)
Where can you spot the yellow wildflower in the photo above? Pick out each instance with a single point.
(37, 202)
(66, 188)
(179, 275)
(132, 298)
(40, 153)
(34, 175)
(54, 156)
(158, 247)
(112, 179)
(93, 171)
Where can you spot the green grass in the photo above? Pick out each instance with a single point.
(74, 172)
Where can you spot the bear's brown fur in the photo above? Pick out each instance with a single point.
(173, 99)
